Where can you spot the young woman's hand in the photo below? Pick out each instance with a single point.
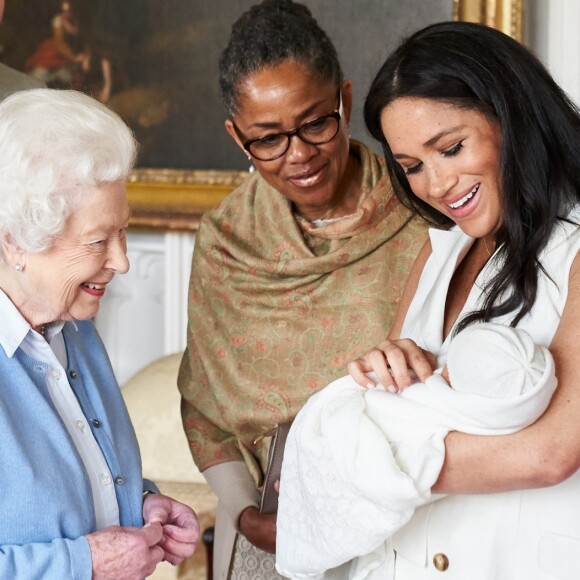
(392, 361)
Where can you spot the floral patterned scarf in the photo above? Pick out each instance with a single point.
(278, 308)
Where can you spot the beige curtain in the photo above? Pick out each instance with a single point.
(505, 15)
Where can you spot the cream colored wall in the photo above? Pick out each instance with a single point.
(552, 33)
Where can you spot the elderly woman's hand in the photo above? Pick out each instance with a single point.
(180, 526)
(392, 361)
(125, 553)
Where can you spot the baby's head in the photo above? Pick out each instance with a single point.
(494, 360)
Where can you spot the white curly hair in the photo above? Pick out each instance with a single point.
(55, 147)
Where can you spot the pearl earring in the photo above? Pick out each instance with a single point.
(18, 267)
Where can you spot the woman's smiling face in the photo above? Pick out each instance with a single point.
(282, 98)
(68, 280)
(451, 157)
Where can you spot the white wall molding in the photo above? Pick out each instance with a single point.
(144, 312)
(552, 32)
(178, 252)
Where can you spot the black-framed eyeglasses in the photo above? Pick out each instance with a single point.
(316, 132)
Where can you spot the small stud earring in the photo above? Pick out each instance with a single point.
(18, 267)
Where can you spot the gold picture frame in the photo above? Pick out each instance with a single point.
(175, 199)
(505, 15)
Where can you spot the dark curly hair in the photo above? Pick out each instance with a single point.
(268, 34)
(476, 67)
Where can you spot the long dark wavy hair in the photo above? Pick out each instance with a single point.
(478, 68)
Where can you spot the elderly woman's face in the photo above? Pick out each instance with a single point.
(282, 98)
(68, 280)
(451, 157)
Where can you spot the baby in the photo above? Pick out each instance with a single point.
(493, 360)
(358, 462)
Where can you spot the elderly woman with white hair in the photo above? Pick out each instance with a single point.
(72, 497)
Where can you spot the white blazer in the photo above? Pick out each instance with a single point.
(518, 535)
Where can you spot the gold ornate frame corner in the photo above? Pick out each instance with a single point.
(175, 199)
(505, 15)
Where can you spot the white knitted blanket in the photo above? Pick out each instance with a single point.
(358, 463)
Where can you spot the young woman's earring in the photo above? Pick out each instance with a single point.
(19, 267)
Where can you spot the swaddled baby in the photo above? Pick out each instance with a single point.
(358, 462)
(495, 361)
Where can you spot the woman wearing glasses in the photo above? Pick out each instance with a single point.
(295, 274)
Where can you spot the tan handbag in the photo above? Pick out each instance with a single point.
(269, 500)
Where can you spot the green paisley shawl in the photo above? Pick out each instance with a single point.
(277, 308)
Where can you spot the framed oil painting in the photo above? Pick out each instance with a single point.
(155, 62)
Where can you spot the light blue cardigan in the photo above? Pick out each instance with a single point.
(46, 504)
